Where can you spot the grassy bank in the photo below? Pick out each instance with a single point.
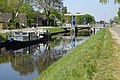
(84, 32)
(54, 29)
(92, 60)
(3, 36)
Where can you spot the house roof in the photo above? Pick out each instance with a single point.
(22, 18)
(5, 17)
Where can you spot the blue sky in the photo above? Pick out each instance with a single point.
(93, 7)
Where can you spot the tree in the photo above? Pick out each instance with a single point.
(67, 19)
(80, 19)
(119, 12)
(116, 19)
(48, 5)
(14, 6)
(106, 1)
(3, 6)
(64, 11)
(89, 19)
(85, 19)
(27, 9)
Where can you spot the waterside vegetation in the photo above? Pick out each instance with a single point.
(93, 60)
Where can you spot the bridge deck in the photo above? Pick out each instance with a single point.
(82, 26)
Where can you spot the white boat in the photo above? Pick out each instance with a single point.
(30, 35)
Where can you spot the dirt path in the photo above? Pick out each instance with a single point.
(115, 31)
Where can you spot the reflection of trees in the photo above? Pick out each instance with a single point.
(4, 57)
(27, 63)
(55, 42)
(0, 51)
(24, 64)
(44, 59)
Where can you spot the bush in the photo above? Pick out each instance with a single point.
(2, 36)
(84, 33)
(11, 27)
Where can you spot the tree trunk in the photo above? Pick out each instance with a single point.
(13, 18)
(48, 18)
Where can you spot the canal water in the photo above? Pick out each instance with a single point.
(29, 62)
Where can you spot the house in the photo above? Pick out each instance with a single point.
(21, 20)
(41, 20)
(4, 17)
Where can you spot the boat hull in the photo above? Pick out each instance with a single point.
(15, 45)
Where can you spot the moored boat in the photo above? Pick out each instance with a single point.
(23, 39)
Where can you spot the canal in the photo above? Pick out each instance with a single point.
(28, 63)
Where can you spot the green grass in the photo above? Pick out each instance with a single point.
(83, 32)
(3, 36)
(89, 61)
(54, 29)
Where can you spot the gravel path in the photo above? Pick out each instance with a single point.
(116, 60)
(116, 33)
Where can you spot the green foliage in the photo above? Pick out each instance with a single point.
(30, 21)
(48, 6)
(52, 16)
(80, 19)
(118, 13)
(64, 10)
(56, 14)
(27, 9)
(90, 61)
(3, 36)
(8, 23)
(3, 6)
(89, 19)
(84, 19)
(116, 19)
(67, 18)
(84, 33)
(11, 27)
(14, 5)
(117, 1)
(106, 1)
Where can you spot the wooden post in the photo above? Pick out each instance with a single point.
(0, 38)
(94, 30)
(0, 51)
(29, 36)
(91, 32)
(76, 31)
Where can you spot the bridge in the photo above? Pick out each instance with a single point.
(81, 26)
(91, 28)
(74, 27)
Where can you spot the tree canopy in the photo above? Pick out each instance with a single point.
(27, 9)
(50, 7)
(106, 1)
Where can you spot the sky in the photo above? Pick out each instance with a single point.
(93, 7)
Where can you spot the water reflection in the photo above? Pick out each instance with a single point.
(27, 63)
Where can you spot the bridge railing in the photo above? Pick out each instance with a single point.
(81, 26)
(70, 26)
(67, 25)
